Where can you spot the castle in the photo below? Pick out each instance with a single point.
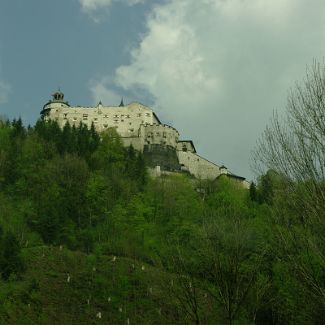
(139, 126)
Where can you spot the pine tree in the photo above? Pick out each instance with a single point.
(253, 192)
(11, 261)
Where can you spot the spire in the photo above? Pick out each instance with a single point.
(122, 103)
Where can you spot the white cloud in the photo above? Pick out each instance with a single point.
(217, 68)
(101, 93)
(90, 6)
(4, 92)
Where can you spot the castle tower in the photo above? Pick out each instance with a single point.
(54, 105)
(58, 96)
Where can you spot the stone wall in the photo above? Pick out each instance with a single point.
(159, 134)
(197, 166)
(161, 155)
(186, 146)
(136, 142)
(126, 119)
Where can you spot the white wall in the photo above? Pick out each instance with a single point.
(159, 134)
(185, 144)
(198, 166)
(126, 119)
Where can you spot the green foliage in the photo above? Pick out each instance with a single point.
(10, 259)
(168, 250)
(253, 192)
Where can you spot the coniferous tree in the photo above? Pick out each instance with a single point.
(18, 128)
(265, 189)
(253, 192)
(10, 260)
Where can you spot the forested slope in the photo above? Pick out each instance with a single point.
(87, 237)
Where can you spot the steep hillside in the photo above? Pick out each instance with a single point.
(65, 287)
(187, 251)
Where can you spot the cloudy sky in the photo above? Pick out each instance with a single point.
(214, 69)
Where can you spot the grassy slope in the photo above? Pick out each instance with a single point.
(120, 290)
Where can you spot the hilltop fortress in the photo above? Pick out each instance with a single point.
(139, 126)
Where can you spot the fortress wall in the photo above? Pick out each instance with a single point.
(185, 146)
(159, 134)
(136, 142)
(126, 119)
(198, 166)
(160, 155)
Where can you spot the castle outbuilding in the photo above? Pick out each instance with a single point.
(139, 126)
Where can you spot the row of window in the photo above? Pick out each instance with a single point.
(95, 119)
(118, 116)
(105, 126)
(161, 142)
(151, 134)
(115, 116)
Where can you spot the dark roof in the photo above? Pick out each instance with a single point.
(49, 102)
(154, 114)
(233, 176)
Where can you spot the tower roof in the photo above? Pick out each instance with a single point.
(58, 95)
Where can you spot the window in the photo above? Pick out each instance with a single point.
(116, 116)
(147, 114)
(106, 116)
(139, 114)
(105, 125)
